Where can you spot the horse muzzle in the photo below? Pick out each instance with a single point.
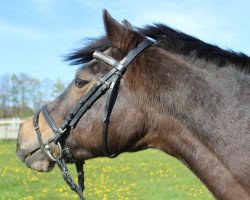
(29, 151)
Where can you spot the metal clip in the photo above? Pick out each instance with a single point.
(105, 82)
(62, 130)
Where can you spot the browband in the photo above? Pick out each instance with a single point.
(122, 65)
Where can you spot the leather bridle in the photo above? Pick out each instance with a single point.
(110, 82)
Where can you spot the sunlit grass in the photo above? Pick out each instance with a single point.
(145, 175)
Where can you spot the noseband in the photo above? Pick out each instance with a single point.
(110, 82)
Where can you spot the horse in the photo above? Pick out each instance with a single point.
(185, 97)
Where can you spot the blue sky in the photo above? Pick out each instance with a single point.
(36, 34)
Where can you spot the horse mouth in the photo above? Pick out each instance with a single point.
(30, 154)
(36, 160)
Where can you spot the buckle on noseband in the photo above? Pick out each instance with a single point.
(62, 130)
(58, 134)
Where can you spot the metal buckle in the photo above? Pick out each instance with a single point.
(119, 74)
(62, 130)
(105, 82)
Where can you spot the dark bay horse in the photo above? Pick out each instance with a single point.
(185, 97)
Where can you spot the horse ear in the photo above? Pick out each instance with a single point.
(122, 37)
(127, 25)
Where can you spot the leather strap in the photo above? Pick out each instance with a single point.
(133, 53)
(88, 98)
(111, 97)
(37, 129)
(49, 119)
(66, 176)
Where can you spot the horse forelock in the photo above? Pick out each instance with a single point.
(85, 54)
(173, 41)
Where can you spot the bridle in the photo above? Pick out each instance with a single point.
(110, 82)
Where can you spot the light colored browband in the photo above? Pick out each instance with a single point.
(108, 60)
(104, 57)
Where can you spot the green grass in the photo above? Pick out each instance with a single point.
(145, 175)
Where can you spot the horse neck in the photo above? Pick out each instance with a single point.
(201, 123)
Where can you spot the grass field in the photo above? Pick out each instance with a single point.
(145, 175)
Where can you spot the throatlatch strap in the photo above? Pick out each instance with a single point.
(113, 91)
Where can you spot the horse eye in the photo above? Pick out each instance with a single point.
(80, 82)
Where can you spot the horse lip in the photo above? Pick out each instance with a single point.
(30, 153)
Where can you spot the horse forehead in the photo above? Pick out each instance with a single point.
(84, 72)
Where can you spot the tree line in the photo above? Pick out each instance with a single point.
(21, 94)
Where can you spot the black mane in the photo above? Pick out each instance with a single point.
(174, 41)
